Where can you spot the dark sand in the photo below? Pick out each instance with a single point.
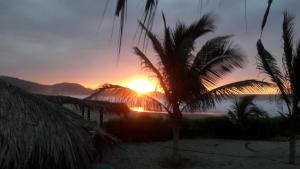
(206, 154)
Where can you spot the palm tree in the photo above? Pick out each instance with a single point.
(189, 81)
(244, 110)
(288, 80)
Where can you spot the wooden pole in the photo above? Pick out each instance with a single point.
(101, 117)
(89, 114)
(82, 111)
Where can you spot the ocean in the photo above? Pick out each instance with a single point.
(269, 103)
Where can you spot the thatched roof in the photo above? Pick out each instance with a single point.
(103, 106)
(38, 134)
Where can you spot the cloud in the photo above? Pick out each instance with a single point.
(59, 40)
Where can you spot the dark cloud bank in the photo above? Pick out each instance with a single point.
(59, 40)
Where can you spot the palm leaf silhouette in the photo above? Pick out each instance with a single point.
(244, 110)
(264, 21)
(123, 94)
(287, 81)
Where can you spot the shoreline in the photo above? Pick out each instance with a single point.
(191, 115)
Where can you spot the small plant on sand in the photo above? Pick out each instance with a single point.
(244, 110)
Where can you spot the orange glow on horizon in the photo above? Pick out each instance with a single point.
(91, 85)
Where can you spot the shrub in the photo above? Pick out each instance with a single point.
(142, 128)
(146, 128)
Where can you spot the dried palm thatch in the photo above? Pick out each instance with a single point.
(35, 133)
(99, 106)
(117, 93)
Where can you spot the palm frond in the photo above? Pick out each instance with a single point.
(217, 58)
(209, 99)
(204, 25)
(165, 57)
(298, 50)
(264, 21)
(121, 12)
(295, 81)
(169, 47)
(287, 36)
(157, 46)
(150, 4)
(296, 70)
(183, 45)
(103, 14)
(268, 65)
(251, 86)
(245, 16)
(148, 65)
(184, 37)
(208, 51)
(121, 4)
(123, 94)
(148, 18)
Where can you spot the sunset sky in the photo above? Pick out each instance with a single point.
(52, 41)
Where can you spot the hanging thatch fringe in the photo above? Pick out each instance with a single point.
(103, 106)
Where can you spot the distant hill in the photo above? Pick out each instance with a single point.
(65, 89)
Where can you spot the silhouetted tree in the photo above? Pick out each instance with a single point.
(288, 80)
(186, 78)
(244, 110)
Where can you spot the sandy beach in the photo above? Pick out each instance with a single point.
(206, 154)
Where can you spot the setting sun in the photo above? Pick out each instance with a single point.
(137, 109)
(141, 86)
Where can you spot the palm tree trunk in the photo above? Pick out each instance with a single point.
(82, 111)
(293, 129)
(101, 118)
(176, 119)
(292, 149)
(89, 114)
(176, 133)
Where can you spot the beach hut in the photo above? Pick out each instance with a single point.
(38, 134)
(91, 106)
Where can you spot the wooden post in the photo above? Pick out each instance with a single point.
(89, 114)
(82, 111)
(101, 118)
